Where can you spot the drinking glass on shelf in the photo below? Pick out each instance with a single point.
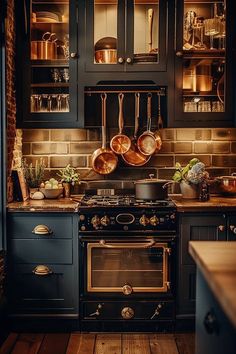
(190, 106)
(204, 106)
(217, 106)
(65, 74)
(198, 27)
(65, 102)
(212, 28)
(56, 76)
(221, 35)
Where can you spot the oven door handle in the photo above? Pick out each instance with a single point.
(135, 245)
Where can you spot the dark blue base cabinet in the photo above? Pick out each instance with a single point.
(214, 333)
(42, 265)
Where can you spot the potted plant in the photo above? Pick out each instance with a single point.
(68, 176)
(33, 175)
(190, 177)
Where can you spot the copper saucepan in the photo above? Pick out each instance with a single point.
(133, 156)
(104, 161)
(120, 143)
(147, 142)
(46, 48)
(106, 50)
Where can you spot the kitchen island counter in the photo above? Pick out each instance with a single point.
(217, 263)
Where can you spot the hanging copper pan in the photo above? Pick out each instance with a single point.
(104, 161)
(147, 142)
(133, 156)
(157, 133)
(120, 143)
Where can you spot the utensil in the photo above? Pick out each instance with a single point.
(120, 143)
(104, 161)
(226, 185)
(133, 156)
(157, 133)
(147, 142)
(46, 49)
(152, 188)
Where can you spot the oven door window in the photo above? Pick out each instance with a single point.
(127, 267)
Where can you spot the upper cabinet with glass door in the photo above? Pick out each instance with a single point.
(203, 63)
(49, 67)
(126, 35)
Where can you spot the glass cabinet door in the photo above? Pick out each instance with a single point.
(203, 49)
(125, 35)
(50, 64)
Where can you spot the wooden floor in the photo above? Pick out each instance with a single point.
(100, 343)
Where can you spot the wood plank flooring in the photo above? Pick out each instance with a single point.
(98, 343)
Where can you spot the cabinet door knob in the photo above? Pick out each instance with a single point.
(232, 228)
(129, 60)
(42, 230)
(210, 323)
(73, 55)
(120, 60)
(42, 270)
(221, 228)
(179, 54)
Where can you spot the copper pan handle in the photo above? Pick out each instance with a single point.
(121, 116)
(136, 122)
(104, 135)
(131, 245)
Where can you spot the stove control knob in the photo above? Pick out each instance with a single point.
(127, 313)
(154, 221)
(127, 289)
(82, 217)
(144, 220)
(105, 221)
(172, 216)
(95, 221)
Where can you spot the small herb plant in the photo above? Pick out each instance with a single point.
(69, 175)
(33, 175)
(194, 172)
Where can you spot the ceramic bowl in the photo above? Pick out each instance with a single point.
(51, 193)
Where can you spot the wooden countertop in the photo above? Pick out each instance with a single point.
(213, 204)
(217, 262)
(56, 205)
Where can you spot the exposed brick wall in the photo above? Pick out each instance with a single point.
(215, 147)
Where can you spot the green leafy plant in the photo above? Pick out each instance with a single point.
(69, 174)
(33, 175)
(194, 172)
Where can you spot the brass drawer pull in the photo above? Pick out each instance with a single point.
(42, 230)
(42, 270)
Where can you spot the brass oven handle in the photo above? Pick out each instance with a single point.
(146, 245)
(42, 230)
(41, 270)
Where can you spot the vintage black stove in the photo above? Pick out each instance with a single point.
(127, 262)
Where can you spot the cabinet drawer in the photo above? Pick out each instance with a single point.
(22, 225)
(41, 251)
(52, 293)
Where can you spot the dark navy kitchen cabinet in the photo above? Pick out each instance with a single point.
(204, 89)
(43, 264)
(195, 227)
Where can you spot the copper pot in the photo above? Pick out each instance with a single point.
(106, 50)
(43, 50)
(226, 185)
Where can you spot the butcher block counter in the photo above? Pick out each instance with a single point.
(217, 262)
(215, 204)
(55, 205)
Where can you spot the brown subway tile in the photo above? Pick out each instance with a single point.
(203, 147)
(183, 147)
(50, 148)
(26, 148)
(32, 159)
(214, 172)
(130, 173)
(167, 147)
(224, 160)
(68, 134)
(93, 134)
(62, 161)
(84, 147)
(220, 147)
(183, 160)
(165, 173)
(185, 134)
(233, 147)
(35, 135)
(161, 161)
(202, 134)
(168, 134)
(224, 134)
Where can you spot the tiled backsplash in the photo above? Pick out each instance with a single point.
(58, 147)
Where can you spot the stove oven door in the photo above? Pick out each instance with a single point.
(126, 267)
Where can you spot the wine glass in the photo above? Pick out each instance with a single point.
(212, 28)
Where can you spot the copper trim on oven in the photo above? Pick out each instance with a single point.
(166, 253)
